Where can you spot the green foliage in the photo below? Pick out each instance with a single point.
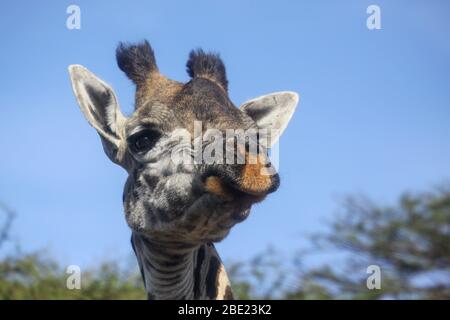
(409, 241)
(36, 276)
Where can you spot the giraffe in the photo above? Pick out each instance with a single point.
(177, 211)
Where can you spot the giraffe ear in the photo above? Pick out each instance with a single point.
(272, 112)
(99, 105)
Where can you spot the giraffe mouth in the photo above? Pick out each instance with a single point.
(250, 182)
(227, 191)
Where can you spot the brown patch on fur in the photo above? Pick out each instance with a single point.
(255, 176)
(157, 89)
(215, 186)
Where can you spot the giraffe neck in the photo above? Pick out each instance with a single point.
(178, 271)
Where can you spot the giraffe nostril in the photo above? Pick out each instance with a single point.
(215, 185)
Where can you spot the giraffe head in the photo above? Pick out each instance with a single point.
(183, 201)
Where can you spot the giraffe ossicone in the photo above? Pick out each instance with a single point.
(178, 209)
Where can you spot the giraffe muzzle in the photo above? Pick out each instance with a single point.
(252, 181)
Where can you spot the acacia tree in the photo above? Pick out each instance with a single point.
(37, 275)
(410, 242)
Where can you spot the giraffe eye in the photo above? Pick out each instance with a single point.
(143, 141)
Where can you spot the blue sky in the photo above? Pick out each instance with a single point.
(373, 117)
